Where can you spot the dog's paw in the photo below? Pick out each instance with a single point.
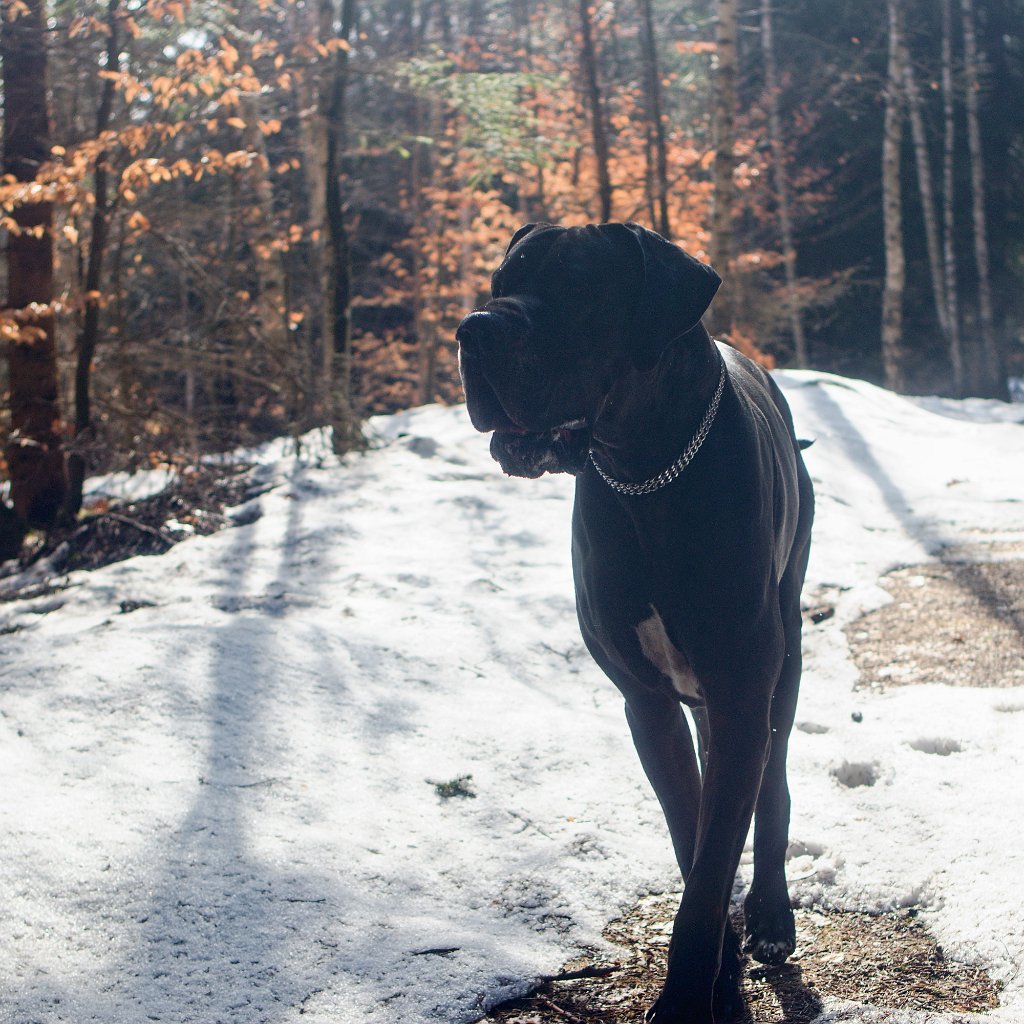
(728, 1003)
(726, 1006)
(772, 953)
(772, 950)
(667, 1011)
(771, 931)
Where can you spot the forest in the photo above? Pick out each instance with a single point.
(225, 222)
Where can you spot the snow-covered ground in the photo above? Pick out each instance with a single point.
(218, 765)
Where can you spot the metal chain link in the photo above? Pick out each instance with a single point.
(666, 476)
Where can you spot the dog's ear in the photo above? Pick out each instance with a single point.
(522, 233)
(677, 290)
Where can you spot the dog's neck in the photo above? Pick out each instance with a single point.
(649, 417)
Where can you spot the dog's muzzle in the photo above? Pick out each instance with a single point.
(478, 336)
(520, 451)
(562, 450)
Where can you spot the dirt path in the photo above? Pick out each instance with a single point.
(953, 622)
(889, 960)
(959, 622)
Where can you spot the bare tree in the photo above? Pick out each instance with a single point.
(996, 376)
(318, 370)
(781, 180)
(337, 261)
(530, 207)
(956, 358)
(724, 111)
(88, 335)
(35, 458)
(924, 183)
(895, 273)
(656, 124)
(588, 65)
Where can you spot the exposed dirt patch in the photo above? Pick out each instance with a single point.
(886, 960)
(959, 623)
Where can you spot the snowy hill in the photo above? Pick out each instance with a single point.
(220, 766)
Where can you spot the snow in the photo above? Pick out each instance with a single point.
(221, 805)
(128, 486)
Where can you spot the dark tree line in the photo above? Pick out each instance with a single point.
(225, 221)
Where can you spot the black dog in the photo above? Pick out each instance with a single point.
(691, 531)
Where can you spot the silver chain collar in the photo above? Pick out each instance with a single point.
(667, 475)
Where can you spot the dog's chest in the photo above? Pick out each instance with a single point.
(659, 650)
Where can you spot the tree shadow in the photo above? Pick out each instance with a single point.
(222, 923)
(251, 912)
(243, 916)
(925, 530)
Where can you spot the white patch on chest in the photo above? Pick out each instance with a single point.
(667, 659)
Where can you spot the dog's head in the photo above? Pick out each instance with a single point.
(572, 311)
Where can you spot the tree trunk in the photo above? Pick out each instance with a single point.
(318, 370)
(428, 223)
(530, 207)
(338, 262)
(652, 84)
(430, 328)
(418, 176)
(924, 183)
(588, 65)
(956, 359)
(995, 373)
(781, 179)
(271, 300)
(724, 142)
(88, 336)
(34, 455)
(892, 294)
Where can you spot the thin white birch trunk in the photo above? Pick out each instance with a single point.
(993, 362)
(781, 180)
(924, 184)
(956, 358)
(892, 292)
(724, 109)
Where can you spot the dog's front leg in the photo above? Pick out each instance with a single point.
(740, 736)
(663, 742)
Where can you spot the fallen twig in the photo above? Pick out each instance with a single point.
(560, 1012)
(584, 972)
(128, 521)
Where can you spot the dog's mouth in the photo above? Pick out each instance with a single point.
(561, 434)
(563, 449)
(521, 450)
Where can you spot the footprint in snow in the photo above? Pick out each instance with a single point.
(812, 728)
(429, 448)
(412, 580)
(943, 746)
(853, 774)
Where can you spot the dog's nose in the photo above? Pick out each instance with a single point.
(474, 329)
